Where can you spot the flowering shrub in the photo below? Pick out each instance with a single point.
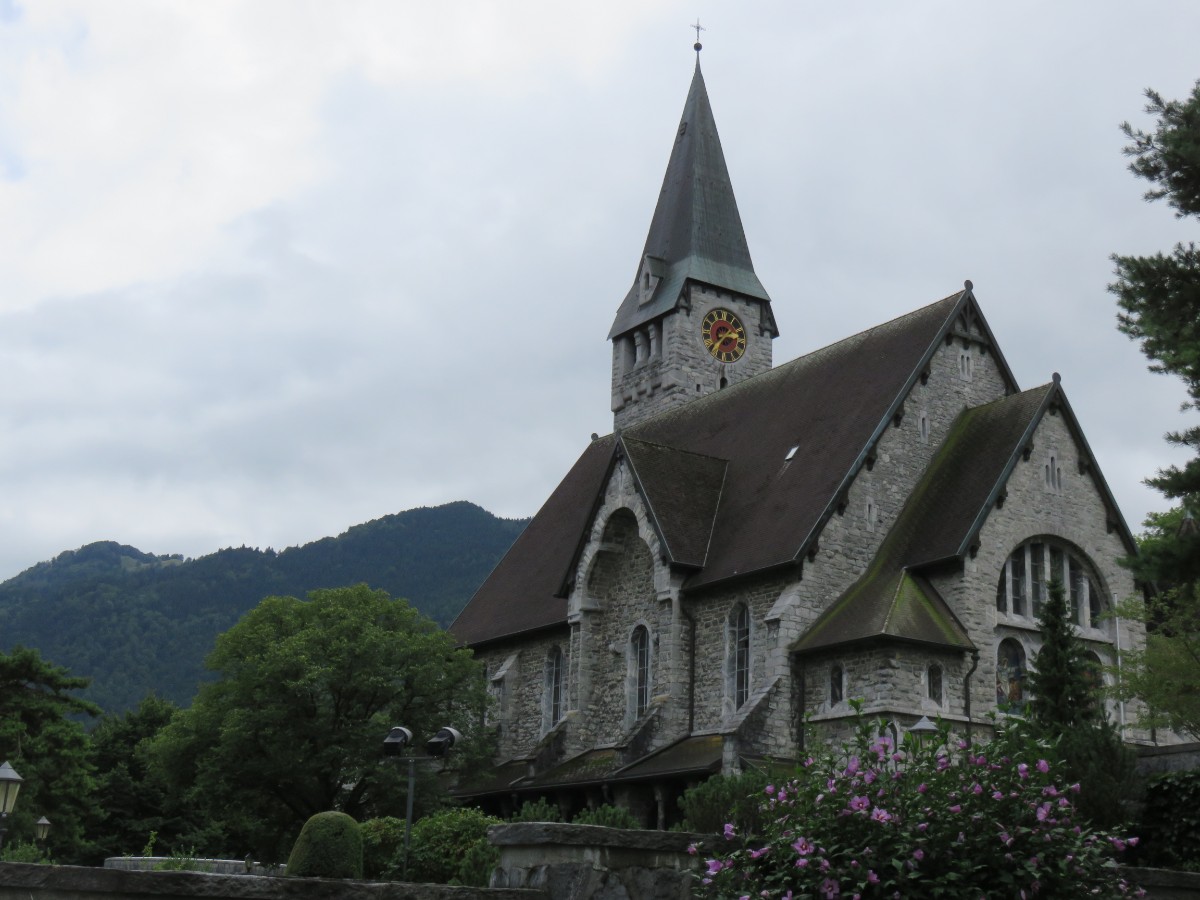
(945, 818)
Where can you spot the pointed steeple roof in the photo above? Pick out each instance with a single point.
(696, 232)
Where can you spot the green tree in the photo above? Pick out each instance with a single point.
(132, 800)
(1165, 672)
(294, 725)
(42, 736)
(1068, 709)
(1159, 300)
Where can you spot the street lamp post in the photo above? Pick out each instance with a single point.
(10, 785)
(435, 748)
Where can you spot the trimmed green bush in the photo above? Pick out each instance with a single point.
(383, 842)
(444, 848)
(330, 846)
(1170, 826)
(539, 810)
(608, 816)
(708, 806)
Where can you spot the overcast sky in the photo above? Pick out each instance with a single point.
(272, 269)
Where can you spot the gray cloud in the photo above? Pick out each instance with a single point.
(401, 297)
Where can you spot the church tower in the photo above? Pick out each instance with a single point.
(696, 319)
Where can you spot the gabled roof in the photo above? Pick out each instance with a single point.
(682, 491)
(832, 406)
(525, 591)
(941, 521)
(696, 232)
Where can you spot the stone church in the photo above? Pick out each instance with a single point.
(754, 546)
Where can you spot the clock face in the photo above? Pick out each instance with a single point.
(724, 336)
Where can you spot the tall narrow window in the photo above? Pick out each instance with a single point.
(1017, 579)
(1037, 579)
(933, 683)
(1076, 596)
(639, 647)
(739, 656)
(553, 710)
(964, 364)
(1095, 609)
(837, 684)
(1010, 676)
(923, 427)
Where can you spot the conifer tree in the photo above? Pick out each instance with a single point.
(1159, 299)
(1064, 691)
(1067, 709)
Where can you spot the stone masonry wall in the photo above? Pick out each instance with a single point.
(519, 705)
(850, 540)
(1075, 515)
(683, 369)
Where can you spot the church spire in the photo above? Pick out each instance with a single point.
(697, 318)
(696, 233)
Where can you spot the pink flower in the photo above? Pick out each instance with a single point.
(729, 833)
(858, 804)
(715, 866)
(692, 850)
(956, 808)
(1043, 811)
(803, 846)
(830, 889)
(762, 851)
(997, 795)
(1043, 766)
(918, 854)
(770, 789)
(1119, 845)
(1023, 770)
(879, 814)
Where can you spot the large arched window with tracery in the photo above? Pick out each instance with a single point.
(738, 641)
(1010, 677)
(1025, 579)
(639, 660)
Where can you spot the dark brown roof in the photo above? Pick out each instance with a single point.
(524, 592)
(683, 491)
(831, 405)
(691, 755)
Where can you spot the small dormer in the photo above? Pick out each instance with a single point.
(652, 271)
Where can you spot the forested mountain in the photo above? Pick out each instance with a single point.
(135, 623)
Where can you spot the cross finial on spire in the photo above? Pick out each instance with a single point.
(698, 46)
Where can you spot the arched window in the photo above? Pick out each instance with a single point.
(1028, 572)
(738, 639)
(837, 685)
(1010, 677)
(639, 658)
(933, 683)
(552, 709)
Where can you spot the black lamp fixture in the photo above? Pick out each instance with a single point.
(10, 785)
(41, 829)
(398, 740)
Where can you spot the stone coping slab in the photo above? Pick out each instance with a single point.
(22, 881)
